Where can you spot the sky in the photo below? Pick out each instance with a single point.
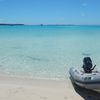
(50, 11)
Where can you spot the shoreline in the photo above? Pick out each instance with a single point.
(31, 77)
(37, 89)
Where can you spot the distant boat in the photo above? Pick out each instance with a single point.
(41, 24)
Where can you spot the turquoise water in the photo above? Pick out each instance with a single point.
(47, 52)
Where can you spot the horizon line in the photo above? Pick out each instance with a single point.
(49, 24)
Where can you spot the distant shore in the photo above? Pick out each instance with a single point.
(10, 24)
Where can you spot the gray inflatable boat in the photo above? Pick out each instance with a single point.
(86, 80)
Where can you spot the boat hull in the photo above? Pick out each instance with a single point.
(89, 81)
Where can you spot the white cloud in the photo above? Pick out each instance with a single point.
(82, 14)
(1, 20)
(84, 4)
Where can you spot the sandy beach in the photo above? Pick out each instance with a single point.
(12, 88)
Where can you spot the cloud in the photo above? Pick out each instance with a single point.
(82, 14)
(1, 20)
(84, 4)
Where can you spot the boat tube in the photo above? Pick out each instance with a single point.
(86, 80)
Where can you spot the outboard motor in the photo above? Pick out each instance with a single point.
(87, 65)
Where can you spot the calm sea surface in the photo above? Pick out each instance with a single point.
(47, 52)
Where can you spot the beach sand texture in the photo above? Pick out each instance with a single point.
(12, 88)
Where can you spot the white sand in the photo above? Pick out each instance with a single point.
(12, 88)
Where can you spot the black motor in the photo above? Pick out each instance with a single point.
(87, 65)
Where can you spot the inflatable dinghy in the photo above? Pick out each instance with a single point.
(86, 80)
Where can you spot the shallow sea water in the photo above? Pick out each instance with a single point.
(47, 52)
